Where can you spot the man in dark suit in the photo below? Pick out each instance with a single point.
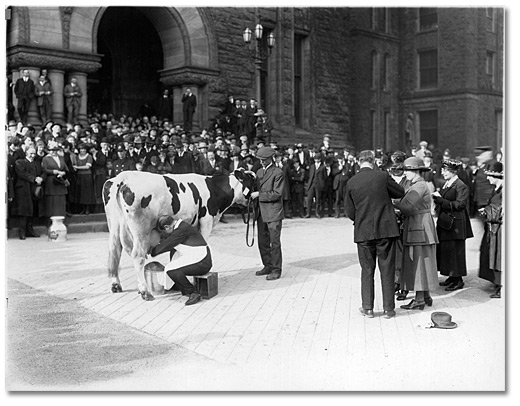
(314, 185)
(369, 205)
(270, 181)
(24, 91)
(28, 176)
(189, 102)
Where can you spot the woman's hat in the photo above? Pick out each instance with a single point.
(260, 112)
(495, 170)
(53, 146)
(414, 164)
(451, 164)
(442, 320)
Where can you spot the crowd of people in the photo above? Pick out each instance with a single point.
(60, 171)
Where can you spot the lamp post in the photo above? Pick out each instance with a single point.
(259, 54)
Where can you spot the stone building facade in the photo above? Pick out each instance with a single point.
(353, 73)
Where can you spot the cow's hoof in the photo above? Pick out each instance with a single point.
(147, 296)
(116, 288)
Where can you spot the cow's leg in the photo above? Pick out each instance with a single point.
(139, 251)
(206, 226)
(114, 257)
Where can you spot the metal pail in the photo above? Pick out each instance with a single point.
(152, 273)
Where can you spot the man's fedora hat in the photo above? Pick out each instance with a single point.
(442, 320)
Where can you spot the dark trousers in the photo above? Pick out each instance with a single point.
(188, 119)
(25, 225)
(384, 250)
(23, 108)
(269, 244)
(313, 192)
(297, 203)
(197, 269)
(327, 197)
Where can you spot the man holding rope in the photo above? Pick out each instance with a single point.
(270, 183)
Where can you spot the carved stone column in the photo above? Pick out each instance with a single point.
(16, 75)
(82, 83)
(58, 108)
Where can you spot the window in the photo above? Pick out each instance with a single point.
(298, 83)
(386, 141)
(375, 69)
(428, 74)
(490, 19)
(490, 67)
(429, 126)
(427, 19)
(386, 72)
(373, 124)
(264, 88)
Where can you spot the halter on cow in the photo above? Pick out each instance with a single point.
(135, 200)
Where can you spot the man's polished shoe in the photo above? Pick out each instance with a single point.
(455, 286)
(367, 312)
(263, 271)
(413, 305)
(194, 298)
(273, 276)
(428, 301)
(388, 314)
(21, 236)
(447, 282)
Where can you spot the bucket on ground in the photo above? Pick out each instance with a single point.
(57, 230)
(153, 274)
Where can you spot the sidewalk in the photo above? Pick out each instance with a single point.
(301, 332)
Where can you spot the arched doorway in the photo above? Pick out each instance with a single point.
(132, 57)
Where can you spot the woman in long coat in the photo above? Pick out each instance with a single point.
(419, 266)
(452, 200)
(84, 179)
(491, 247)
(56, 170)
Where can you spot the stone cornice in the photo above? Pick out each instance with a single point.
(188, 76)
(22, 55)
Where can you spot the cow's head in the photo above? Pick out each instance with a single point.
(248, 181)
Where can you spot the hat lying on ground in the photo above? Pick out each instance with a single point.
(442, 320)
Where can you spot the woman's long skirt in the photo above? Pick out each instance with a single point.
(55, 205)
(451, 258)
(419, 270)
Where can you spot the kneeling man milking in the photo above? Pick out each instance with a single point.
(189, 255)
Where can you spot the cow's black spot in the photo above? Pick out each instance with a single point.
(202, 211)
(128, 195)
(183, 188)
(106, 191)
(174, 191)
(196, 198)
(145, 201)
(220, 194)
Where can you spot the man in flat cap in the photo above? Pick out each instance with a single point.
(270, 182)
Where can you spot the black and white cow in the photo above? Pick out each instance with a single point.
(135, 200)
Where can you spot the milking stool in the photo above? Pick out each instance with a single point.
(207, 285)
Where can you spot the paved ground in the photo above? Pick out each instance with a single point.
(67, 331)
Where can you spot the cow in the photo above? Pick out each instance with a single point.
(135, 200)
